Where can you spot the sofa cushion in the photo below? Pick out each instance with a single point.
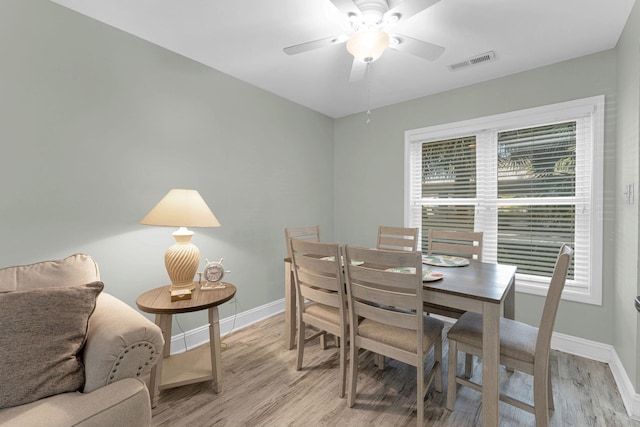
(43, 332)
(74, 270)
(124, 403)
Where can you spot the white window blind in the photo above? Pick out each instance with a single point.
(529, 180)
(448, 175)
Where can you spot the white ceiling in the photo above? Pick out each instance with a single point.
(245, 38)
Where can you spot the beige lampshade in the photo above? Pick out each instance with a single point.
(368, 45)
(182, 208)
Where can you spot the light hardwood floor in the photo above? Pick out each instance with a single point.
(262, 388)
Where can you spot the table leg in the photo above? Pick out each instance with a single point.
(510, 307)
(289, 307)
(216, 349)
(164, 323)
(510, 301)
(490, 363)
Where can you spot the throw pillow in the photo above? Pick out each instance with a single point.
(43, 333)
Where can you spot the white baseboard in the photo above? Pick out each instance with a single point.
(603, 353)
(566, 343)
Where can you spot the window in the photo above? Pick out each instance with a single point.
(529, 180)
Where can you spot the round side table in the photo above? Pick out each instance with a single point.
(195, 365)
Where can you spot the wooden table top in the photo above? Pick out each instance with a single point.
(479, 280)
(158, 300)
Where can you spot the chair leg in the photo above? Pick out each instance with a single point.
(468, 365)
(550, 392)
(437, 360)
(379, 359)
(300, 353)
(353, 370)
(541, 399)
(343, 365)
(420, 390)
(451, 374)
(323, 341)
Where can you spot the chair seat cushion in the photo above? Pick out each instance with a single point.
(43, 333)
(517, 339)
(323, 312)
(401, 337)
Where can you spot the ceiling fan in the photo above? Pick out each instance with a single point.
(372, 22)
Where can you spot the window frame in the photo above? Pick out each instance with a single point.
(486, 130)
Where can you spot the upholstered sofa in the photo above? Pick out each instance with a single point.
(114, 351)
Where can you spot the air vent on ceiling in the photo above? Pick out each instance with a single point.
(474, 60)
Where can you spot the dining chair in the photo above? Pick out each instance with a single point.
(388, 305)
(311, 233)
(321, 300)
(522, 347)
(397, 238)
(466, 244)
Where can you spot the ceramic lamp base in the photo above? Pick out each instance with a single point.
(182, 260)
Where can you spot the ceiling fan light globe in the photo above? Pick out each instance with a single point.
(368, 45)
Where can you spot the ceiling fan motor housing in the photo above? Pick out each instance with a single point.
(372, 12)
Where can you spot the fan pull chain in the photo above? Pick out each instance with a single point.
(368, 73)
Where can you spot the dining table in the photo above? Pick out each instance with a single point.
(481, 287)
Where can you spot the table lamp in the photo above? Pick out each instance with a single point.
(181, 208)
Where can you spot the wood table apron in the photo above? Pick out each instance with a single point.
(188, 367)
(483, 288)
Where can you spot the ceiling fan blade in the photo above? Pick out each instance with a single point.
(428, 51)
(408, 8)
(316, 44)
(346, 7)
(358, 71)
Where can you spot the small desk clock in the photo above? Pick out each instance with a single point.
(213, 273)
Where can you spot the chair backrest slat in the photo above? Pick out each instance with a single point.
(467, 244)
(375, 276)
(315, 264)
(386, 316)
(369, 292)
(323, 297)
(397, 238)
(317, 278)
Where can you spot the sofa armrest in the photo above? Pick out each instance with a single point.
(121, 343)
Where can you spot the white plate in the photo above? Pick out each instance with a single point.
(427, 275)
(353, 261)
(445, 260)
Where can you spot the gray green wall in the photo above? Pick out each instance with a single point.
(97, 125)
(626, 318)
(369, 164)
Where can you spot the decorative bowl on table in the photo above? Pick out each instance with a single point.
(427, 275)
(445, 260)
